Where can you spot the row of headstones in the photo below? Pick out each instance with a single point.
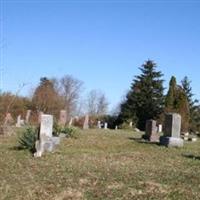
(172, 131)
(101, 125)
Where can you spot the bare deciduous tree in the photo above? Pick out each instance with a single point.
(97, 103)
(70, 89)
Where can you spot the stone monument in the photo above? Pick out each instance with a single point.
(46, 141)
(151, 131)
(172, 131)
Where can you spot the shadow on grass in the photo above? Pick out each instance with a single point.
(190, 156)
(142, 141)
(16, 148)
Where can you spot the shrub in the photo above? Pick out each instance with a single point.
(28, 138)
(70, 131)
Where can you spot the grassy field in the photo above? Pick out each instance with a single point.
(101, 165)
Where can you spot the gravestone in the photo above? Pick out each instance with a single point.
(18, 124)
(86, 122)
(99, 124)
(28, 114)
(151, 131)
(71, 121)
(46, 141)
(63, 117)
(116, 127)
(172, 131)
(105, 125)
(159, 128)
(131, 124)
(40, 116)
(8, 120)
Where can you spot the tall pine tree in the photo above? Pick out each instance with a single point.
(193, 105)
(145, 100)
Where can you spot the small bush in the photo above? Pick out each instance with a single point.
(70, 131)
(28, 139)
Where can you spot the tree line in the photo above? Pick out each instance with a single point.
(145, 100)
(52, 95)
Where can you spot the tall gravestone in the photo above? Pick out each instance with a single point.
(99, 124)
(86, 122)
(151, 131)
(160, 128)
(40, 113)
(63, 117)
(18, 124)
(71, 121)
(105, 125)
(172, 131)
(46, 140)
(28, 114)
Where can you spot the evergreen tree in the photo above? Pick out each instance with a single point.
(176, 101)
(145, 100)
(193, 107)
(170, 98)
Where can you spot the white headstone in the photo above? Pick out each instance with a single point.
(71, 121)
(99, 124)
(160, 128)
(18, 124)
(105, 125)
(46, 127)
(46, 142)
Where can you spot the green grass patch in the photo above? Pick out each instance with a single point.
(100, 164)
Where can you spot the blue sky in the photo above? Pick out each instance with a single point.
(101, 43)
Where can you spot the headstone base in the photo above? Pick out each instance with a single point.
(171, 141)
(47, 145)
(152, 138)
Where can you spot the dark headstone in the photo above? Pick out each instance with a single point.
(151, 131)
(172, 131)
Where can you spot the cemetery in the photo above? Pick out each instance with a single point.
(99, 100)
(100, 162)
(57, 153)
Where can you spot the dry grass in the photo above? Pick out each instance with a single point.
(101, 165)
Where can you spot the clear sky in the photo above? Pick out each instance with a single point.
(101, 43)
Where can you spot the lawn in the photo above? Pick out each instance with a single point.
(103, 165)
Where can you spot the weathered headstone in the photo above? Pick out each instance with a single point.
(18, 124)
(172, 131)
(86, 122)
(63, 117)
(28, 114)
(71, 121)
(105, 125)
(151, 131)
(116, 127)
(131, 124)
(8, 119)
(40, 116)
(99, 124)
(46, 142)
